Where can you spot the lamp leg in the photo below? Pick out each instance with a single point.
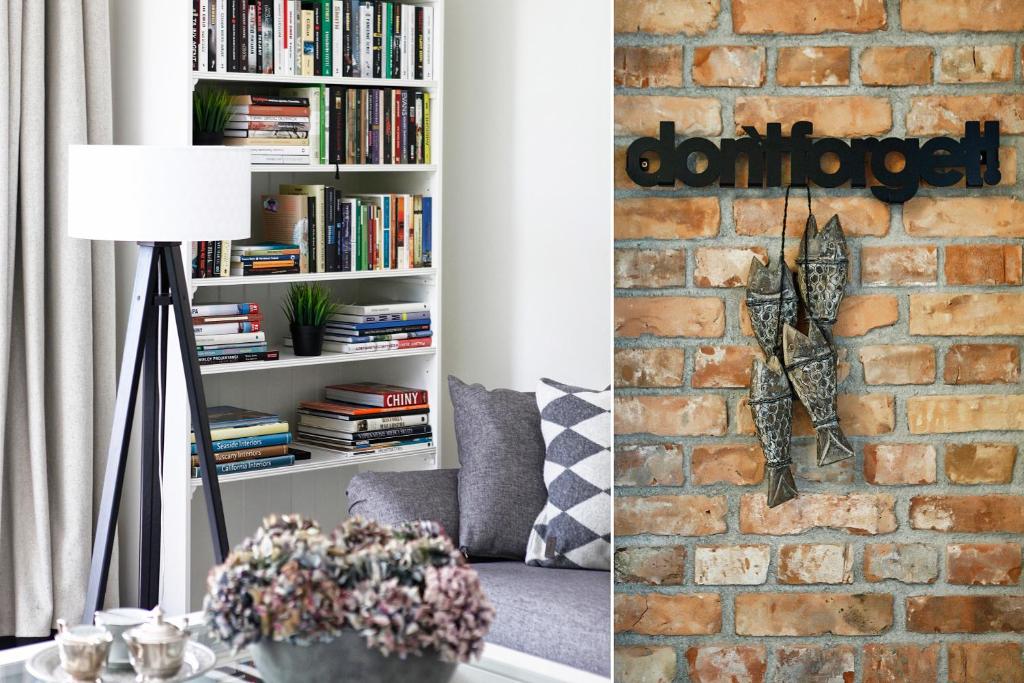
(197, 399)
(124, 411)
(154, 382)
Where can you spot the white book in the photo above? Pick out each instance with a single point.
(288, 42)
(222, 36)
(296, 37)
(279, 36)
(428, 43)
(204, 34)
(366, 40)
(252, 33)
(384, 307)
(408, 39)
(253, 337)
(337, 38)
(363, 425)
(278, 159)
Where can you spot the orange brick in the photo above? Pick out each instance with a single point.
(966, 314)
(965, 614)
(980, 463)
(650, 268)
(671, 415)
(649, 465)
(898, 364)
(889, 663)
(692, 17)
(950, 16)
(974, 662)
(714, 663)
(741, 464)
(983, 264)
(815, 663)
(649, 367)
(972, 514)
(982, 364)
(669, 316)
(839, 116)
(859, 314)
(724, 266)
(904, 562)
(860, 216)
(893, 463)
(812, 614)
(977, 64)
(666, 218)
(670, 515)
(731, 565)
(813, 66)
(964, 413)
(729, 65)
(964, 217)
(899, 266)
(807, 16)
(856, 513)
(896, 65)
(649, 67)
(941, 114)
(643, 664)
(984, 564)
(659, 614)
(655, 565)
(816, 563)
(642, 114)
(723, 366)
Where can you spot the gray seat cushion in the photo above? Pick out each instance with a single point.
(559, 614)
(393, 497)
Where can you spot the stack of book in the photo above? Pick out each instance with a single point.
(333, 233)
(367, 418)
(274, 128)
(230, 333)
(265, 258)
(377, 327)
(362, 38)
(246, 440)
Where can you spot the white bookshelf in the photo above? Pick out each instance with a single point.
(314, 487)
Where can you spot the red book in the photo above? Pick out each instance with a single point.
(375, 394)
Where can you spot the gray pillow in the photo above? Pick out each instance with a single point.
(394, 497)
(574, 530)
(501, 480)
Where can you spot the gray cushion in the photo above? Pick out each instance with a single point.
(501, 482)
(558, 614)
(574, 530)
(393, 497)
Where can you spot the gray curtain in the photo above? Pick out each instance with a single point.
(57, 346)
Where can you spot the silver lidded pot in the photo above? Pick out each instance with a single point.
(83, 650)
(157, 648)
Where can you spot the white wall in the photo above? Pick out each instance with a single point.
(527, 193)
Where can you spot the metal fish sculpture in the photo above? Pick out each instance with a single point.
(811, 365)
(823, 269)
(764, 305)
(771, 403)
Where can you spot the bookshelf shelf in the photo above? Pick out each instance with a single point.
(322, 459)
(290, 360)
(344, 168)
(274, 79)
(313, 277)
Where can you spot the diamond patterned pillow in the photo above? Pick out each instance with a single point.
(574, 528)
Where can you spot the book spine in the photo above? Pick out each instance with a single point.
(347, 33)
(245, 454)
(428, 222)
(385, 346)
(338, 38)
(195, 34)
(240, 357)
(252, 36)
(318, 37)
(225, 309)
(426, 128)
(396, 40)
(386, 41)
(418, 73)
(204, 26)
(250, 337)
(428, 43)
(326, 38)
(258, 35)
(263, 441)
(269, 54)
(386, 117)
(226, 328)
(250, 465)
(331, 241)
(346, 237)
(419, 128)
(222, 35)
(224, 433)
(308, 43)
(378, 34)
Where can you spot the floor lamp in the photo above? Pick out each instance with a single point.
(159, 197)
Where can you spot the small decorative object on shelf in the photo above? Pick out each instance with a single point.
(308, 307)
(352, 605)
(210, 114)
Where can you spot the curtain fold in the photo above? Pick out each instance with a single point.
(57, 345)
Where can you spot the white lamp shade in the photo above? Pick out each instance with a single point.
(158, 194)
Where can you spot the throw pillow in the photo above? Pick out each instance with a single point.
(501, 482)
(574, 529)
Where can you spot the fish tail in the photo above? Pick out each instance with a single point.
(781, 486)
(832, 445)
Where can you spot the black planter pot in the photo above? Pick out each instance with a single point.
(201, 137)
(307, 340)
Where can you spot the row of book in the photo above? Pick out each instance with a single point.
(230, 333)
(365, 418)
(246, 440)
(373, 328)
(336, 125)
(356, 38)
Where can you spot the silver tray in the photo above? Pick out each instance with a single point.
(45, 666)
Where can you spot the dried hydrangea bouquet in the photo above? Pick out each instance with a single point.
(368, 602)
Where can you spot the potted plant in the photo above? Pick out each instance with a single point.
(368, 602)
(210, 114)
(308, 307)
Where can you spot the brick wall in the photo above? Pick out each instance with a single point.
(903, 564)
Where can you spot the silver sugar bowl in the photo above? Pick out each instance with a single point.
(83, 650)
(157, 648)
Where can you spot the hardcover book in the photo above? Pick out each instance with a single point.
(285, 219)
(376, 394)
